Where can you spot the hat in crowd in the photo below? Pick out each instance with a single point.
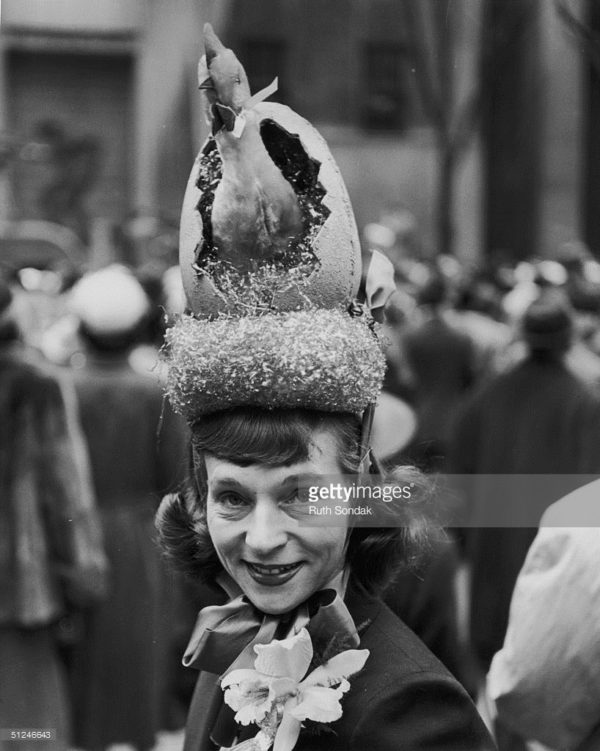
(271, 266)
(394, 426)
(379, 236)
(550, 273)
(109, 302)
(572, 254)
(548, 322)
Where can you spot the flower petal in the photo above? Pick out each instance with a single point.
(235, 698)
(283, 687)
(252, 712)
(256, 694)
(287, 733)
(240, 676)
(250, 699)
(319, 704)
(337, 668)
(286, 657)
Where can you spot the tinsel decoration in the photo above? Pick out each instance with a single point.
(316, 359)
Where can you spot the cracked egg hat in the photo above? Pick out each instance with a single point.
(271, 265)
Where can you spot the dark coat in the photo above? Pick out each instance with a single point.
(425, 600)
(402, 699)
(538, 418)
(120, 670)
(442, 360)
(51, 556)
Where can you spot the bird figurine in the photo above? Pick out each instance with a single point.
(255, 212)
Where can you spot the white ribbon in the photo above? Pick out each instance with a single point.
(260, 96)
(380, 283)
(263, 94)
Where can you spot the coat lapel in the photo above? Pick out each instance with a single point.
(207, 701)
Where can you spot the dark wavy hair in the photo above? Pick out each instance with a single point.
(281, 437)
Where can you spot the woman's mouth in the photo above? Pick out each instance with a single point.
(272, 575)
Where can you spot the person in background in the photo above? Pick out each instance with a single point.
(442, 360)
(537, 418)
(120, 672)
(544, 683)
(423, 596)
(477, 313)
(51, 556)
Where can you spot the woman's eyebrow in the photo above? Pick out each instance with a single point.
(226, 482)
(300, 479)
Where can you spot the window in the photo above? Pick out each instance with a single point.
(263, 60)
(385, 100)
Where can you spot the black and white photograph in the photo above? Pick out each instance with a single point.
(299, 375)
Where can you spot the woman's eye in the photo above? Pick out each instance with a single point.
(231, 500)
(297, 497)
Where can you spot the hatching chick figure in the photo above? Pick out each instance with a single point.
(255, 210)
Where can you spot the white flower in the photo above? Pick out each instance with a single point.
(278, 697)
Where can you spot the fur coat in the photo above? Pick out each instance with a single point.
(51, 554)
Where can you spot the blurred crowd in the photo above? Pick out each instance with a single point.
(500, 362)
(493, 368)
(92, 623)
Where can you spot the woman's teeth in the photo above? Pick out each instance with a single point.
(272, 570)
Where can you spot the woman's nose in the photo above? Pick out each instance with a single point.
(266, 530)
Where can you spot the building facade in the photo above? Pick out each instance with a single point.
(116, 81)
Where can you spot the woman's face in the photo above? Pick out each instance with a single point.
(255, 518)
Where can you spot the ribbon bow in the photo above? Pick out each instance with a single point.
(224, 636)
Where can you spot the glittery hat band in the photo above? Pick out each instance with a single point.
(319, 359)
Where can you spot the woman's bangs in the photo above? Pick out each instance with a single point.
(251, 437)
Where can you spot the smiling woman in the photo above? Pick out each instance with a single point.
(254, 519)
(277, 370)
(240, 526)
(233, 452)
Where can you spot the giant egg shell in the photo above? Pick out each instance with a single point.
(336, 278)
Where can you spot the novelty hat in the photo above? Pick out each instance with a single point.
(271, 265)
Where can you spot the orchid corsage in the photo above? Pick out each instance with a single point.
(278, 695)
